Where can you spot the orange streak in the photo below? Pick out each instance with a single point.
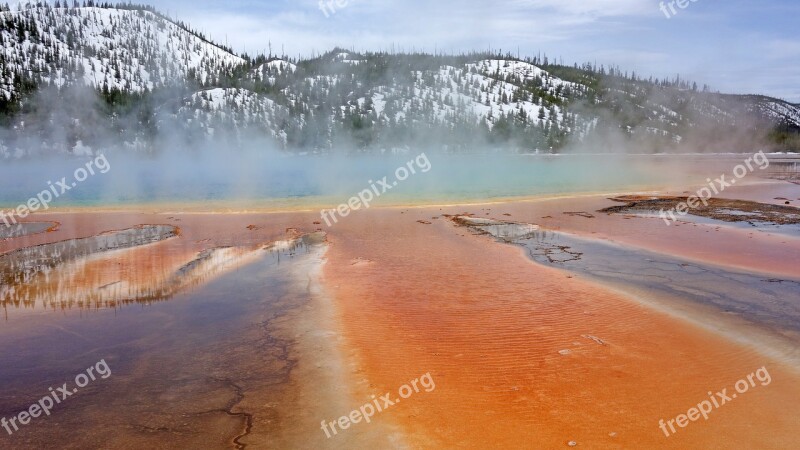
(488, 324)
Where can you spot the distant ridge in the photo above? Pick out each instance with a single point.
(155, 78)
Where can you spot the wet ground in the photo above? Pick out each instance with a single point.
(525, 352)
(770, 302)
(234, 330)
(725, 210)
(182, 370)
(12, 230)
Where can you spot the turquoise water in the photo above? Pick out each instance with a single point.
(266, 178)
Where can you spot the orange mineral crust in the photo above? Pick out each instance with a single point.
(139, 274)
(525, 356)
(200, 231)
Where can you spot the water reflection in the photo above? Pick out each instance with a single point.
(786, 168)
(506, 231)
(10, 231)
(23, 265)
(109, 271)
(756, 298)
(207, 369)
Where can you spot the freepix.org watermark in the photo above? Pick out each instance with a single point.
(669, 10)
(377, 405)
(54, 190)
(704, 408)
(55, 397)
(715, 187)
(376, 189)
(329, 7)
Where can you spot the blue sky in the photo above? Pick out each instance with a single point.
(734, 45)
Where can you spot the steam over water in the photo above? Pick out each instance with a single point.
(254, 178)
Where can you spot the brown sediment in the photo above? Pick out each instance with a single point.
(727, 210)
(491, 327)
(735, 247)
(228, 410)
(583, 214)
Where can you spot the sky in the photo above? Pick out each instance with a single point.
(735, 46)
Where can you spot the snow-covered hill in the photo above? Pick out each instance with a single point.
(779, 110)
(153, 77)
(234, 110)
(108, 48)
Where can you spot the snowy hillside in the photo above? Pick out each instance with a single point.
(473, 95)
(235, 110)
(269, 71)
(130, 50)
(150, 77)
(779, 110)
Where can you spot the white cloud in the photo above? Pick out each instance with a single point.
(708, 44)
(377, 24)
(595, 8)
